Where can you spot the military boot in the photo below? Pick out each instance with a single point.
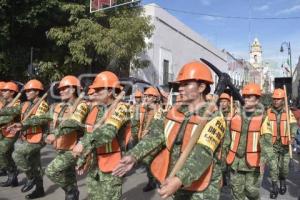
(274, 190)
(28, 185)
(72, 193)
(151, 185)
(12, 180)
(282, 189)
(37, 193)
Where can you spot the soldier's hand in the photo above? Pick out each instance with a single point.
(50, 139)
(169, 187)
(124, 166)
(15, 127)
(77, 150)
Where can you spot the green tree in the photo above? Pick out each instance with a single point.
(67, 39)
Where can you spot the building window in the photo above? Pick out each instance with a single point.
(165, 72)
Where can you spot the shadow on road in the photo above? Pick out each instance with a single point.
(137, 193)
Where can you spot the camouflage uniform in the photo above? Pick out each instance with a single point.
(245, 181)
(27, 155)
(144, 124)
(197, 162)
(282, 151)
(61, 170)
(103, 185)
(8, 115)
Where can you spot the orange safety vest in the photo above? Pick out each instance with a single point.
(160, 164)
(252, 145)
(34, 134)
(282, 127)
(143, 117)
(64, 142)
(108, 155)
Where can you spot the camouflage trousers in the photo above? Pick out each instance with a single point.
(212, 192)
(28, 159)
(103, 186)
(283, 159)
(6, 149)
(245, 184)
(61, 170)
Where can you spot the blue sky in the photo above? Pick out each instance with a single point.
(235, 35)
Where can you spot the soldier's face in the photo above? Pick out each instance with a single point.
(278, 103)
(251, 101)
(224, 104)
(149, 99)
(31, 94)
(190, 90)
(138, 99)
(102, 95)
(7, 94)
(66, 93)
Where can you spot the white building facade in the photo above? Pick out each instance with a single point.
(172, 45)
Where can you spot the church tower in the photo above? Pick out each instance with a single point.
(256, 54)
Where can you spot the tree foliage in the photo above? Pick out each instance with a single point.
(67, 39)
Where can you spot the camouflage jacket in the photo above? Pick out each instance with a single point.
(10, 114)
(198, 160)
(265, 142)
(65, 126)
(293, 126)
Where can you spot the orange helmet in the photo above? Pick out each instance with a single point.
(251, 89)
(34, 84)
(152, 91)
(278, 93)
(138, 94)
(91, 91)
(69, 81)
(2, 84)
(11, 86)
(225, 96)
(195, 70)
(106, 79)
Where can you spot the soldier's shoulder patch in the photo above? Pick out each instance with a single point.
(213, 133)
(43, 108)
(266, 127)
(80, 112)
(17, 103)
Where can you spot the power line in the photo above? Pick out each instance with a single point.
(226, 16)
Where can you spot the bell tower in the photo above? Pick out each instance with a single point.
(256, 54)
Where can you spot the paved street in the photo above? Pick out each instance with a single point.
(132, 188)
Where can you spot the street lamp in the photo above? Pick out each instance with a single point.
(288, 44)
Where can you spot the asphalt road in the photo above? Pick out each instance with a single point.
(133, 184)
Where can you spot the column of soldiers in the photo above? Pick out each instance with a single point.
(93, 136)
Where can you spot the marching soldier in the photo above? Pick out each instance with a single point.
(147, 110)
(138, 96)
(278, 118)
(66, 128)
(200, 175)
(225, 108)
(224, 101)
(7, 139)
(67, 120)
(249, 146)
(27, 154)
(105, 142)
